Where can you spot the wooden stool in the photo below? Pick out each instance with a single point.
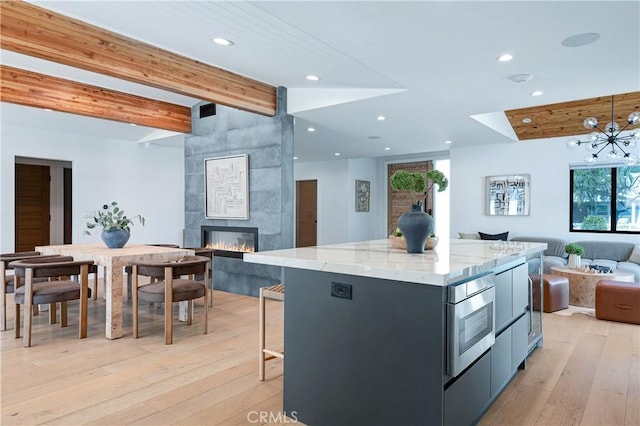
(618, 301)
(275, 292)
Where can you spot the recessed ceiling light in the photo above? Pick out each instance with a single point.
(374, 138)
(526, 120)
(48, 109)
(337, 154)
(312, 77)
(579, 40)
(505, 57)
(536, 93)
(223, 41)
(132, 124)
(295, 158)
(311, 129)
(381, 118)
(386, 148)
(521, 78)
(447, 142)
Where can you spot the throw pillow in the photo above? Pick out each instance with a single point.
(502, 237)
(635, 254)
(469, 235)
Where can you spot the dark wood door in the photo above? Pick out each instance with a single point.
(399, 202)
(32, 206)
(306, 213)
(67, 205)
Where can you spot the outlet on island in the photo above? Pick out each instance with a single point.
(341, 290)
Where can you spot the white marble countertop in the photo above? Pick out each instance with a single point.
(450, 261)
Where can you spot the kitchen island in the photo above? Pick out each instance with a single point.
(367, 333)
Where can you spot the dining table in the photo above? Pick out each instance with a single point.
(114, 260)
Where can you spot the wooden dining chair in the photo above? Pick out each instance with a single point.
(59, 288)
(129, 269)
(205, 252)
(7, 281)
(170, 288)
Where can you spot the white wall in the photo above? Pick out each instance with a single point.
(547, 161)
(149, 181)
(333, 197)
(363, 226)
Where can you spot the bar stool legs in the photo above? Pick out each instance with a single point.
(275, 292)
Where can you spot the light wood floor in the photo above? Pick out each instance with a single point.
(588, 372)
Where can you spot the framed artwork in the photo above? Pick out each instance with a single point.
(363, 193)
(508, 195)
(226, 182)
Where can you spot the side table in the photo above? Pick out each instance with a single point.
(582, 285)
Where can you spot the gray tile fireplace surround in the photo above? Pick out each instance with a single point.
(268, 141)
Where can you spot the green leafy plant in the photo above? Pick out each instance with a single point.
(594, 223)
(419, 182)
(111, 217)
(573, 248)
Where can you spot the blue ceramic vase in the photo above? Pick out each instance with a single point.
(416, 226)
(116, 238)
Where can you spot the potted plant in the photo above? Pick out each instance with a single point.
(416, 225)
(115, 225)
(575, 252)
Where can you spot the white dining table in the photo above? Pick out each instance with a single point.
(114, 260)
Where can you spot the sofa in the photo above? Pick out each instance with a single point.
(615, 255)
(621, 256)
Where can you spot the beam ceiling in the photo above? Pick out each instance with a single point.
(42, 91)
(34, 31)
(565, 118)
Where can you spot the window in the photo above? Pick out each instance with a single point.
(605, 199)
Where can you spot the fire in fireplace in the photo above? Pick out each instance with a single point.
(230, 241)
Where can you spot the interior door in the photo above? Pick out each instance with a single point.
(32, 200)
(68, 201)
(306, 213)
(399, 202)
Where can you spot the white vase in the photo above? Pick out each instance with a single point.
(574, 261)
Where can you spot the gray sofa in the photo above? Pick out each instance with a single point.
(615, 255)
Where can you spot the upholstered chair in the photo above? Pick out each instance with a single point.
(128, 269)
(205, 252)
(170, 287)
(59, 288)
(7, 280)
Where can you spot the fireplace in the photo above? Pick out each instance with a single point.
(230, 241)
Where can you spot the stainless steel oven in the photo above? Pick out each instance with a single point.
(470, 322)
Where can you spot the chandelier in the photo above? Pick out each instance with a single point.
(610, 141)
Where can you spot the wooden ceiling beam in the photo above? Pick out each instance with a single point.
(565, 118)
(35, 31)
(42, 91)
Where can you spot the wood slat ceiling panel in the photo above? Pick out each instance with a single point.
(42, 91)
(565, 118)
(31, 30)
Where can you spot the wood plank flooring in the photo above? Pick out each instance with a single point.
(587, 373)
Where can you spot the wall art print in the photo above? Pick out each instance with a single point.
(226, 181)
(508, 195)
(363, 194)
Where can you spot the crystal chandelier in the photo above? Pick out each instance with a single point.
(610, 141)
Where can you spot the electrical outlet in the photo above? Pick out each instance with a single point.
(341, 290)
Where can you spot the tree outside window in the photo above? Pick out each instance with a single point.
(594, 209)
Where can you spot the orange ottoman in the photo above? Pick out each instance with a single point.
(555, 292)
(618, 301)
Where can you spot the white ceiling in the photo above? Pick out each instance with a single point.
(429, 65)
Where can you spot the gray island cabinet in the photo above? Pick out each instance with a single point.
(368, 330)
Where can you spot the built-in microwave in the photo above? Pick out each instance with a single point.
(470, 322)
